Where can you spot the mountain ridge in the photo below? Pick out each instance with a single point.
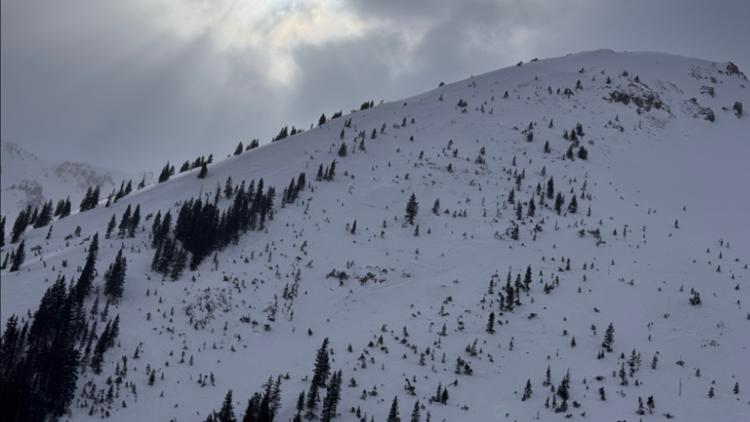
(643, 234)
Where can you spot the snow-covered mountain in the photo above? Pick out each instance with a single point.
(482, 295)
(30, 180)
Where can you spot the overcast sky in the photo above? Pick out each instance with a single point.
(128, 84)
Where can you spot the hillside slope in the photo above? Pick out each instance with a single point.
(662, 209)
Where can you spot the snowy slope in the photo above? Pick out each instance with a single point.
(666, 188)
(29, 180)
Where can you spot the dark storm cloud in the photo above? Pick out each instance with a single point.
(110, 87)
(111, 83)
(413, 50)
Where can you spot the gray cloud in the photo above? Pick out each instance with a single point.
(132, 84)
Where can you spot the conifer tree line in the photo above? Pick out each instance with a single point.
(255, 143)
(169, 170)
(125, 189)
(36, 217)
(42, 358)
(202, 228)
(129, 223)
(198, 162)
(263, 406)
(285, 132)
(90, 199)
(38, 360)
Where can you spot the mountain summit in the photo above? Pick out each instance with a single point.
(561, 238)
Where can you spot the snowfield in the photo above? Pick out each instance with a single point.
(663, 202)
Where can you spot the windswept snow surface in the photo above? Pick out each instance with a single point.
(673, 185)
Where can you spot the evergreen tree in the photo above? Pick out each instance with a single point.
(228, 188)
(491, 323)
(161, 229)
(239, 149)
(204, 171)
(331, 171)
(550, 188)
(527, 391)
(18, 257)
(86, 279)
(559, 201)
(393, 413)
(333, 395)
(342, 150)
(301, 182)
(563, 390)
(86, 200)
(527, 278)
(573, 205)
(178, 263)
(412, 207)
(226, 414)
(650, 404)
(415, 412)
(312, 401)
(436, 207)
(90, 199)
(114, 277)
(609, 338)
(583, 154)
(110, 226)
(19, 226)
(252, 409)
(165, 173)
(322, 365)
(59, 207)
(124, 222)
(45, 215)
(2, 231)
(38, 365)
(66, 209)
(135, 220)
(300, 405)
